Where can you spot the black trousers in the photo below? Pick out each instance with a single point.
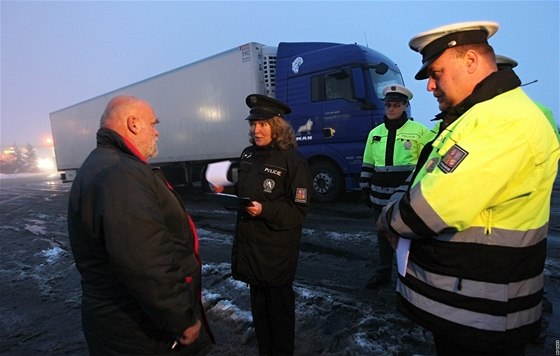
(446, 347)
(384, 249)
(273, 310)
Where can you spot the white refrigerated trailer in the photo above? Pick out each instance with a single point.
(200, 106)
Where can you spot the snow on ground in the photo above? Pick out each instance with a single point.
(334, 314)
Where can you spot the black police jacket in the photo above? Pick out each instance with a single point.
(266, 247)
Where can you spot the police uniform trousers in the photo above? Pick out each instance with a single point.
(384, 249)
(273, 310)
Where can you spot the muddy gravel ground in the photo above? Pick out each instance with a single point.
(40, 289)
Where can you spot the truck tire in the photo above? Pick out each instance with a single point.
(328, 182)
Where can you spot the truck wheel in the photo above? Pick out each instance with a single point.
(328, 182)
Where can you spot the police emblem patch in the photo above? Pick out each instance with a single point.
(268, 185)
(301, 195)
(451, 160)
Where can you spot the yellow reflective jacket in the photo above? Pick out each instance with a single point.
(478, 213)
(504, 146)
(390, 155)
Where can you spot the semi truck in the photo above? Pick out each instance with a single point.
(333, 89)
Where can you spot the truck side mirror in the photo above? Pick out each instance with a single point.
(359, 86)
(381, 68)
(360, 89)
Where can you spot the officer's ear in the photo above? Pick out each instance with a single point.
(132, 124)
(471, 60)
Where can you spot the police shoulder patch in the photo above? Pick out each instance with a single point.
(301, 195)
(451, 160)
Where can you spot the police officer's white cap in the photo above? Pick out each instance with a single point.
(396, 92)
(431, 44)
(505, 62)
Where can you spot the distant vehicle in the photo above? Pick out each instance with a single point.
(334, 91)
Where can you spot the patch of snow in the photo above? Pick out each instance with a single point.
(205, 235)
(228, 310)
(53, 254)
(35, 229)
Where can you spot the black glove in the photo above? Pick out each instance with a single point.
(365, 198)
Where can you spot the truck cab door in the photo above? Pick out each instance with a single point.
(334, 113)
(347, 117)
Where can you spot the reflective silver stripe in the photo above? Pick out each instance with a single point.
(365, 176)
(478, 289)
(469, 318)
(387, 190)
(524, 317)
(423, 209)
(498, 237)
(378, 201)
(397, 224)
(398, 194)
(394, 168)
(368, 165)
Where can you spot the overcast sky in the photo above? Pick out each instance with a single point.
(56, 54)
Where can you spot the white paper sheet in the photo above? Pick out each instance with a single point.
(403, 248)
(216, 173)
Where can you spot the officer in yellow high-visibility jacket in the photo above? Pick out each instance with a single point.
(477, 211)
(390, 155)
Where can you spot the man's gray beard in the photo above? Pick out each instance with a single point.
(155, 153)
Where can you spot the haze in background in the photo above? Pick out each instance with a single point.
(56, 54)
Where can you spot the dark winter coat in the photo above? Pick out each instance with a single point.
(266, 247)
(135, 252)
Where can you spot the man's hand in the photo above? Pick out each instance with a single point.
(190, 334)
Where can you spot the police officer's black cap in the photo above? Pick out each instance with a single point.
(264, 107)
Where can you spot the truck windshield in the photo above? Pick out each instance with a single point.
(380, 81)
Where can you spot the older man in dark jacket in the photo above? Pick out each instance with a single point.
(134, 244)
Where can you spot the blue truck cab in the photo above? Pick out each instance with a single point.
(335, 93)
